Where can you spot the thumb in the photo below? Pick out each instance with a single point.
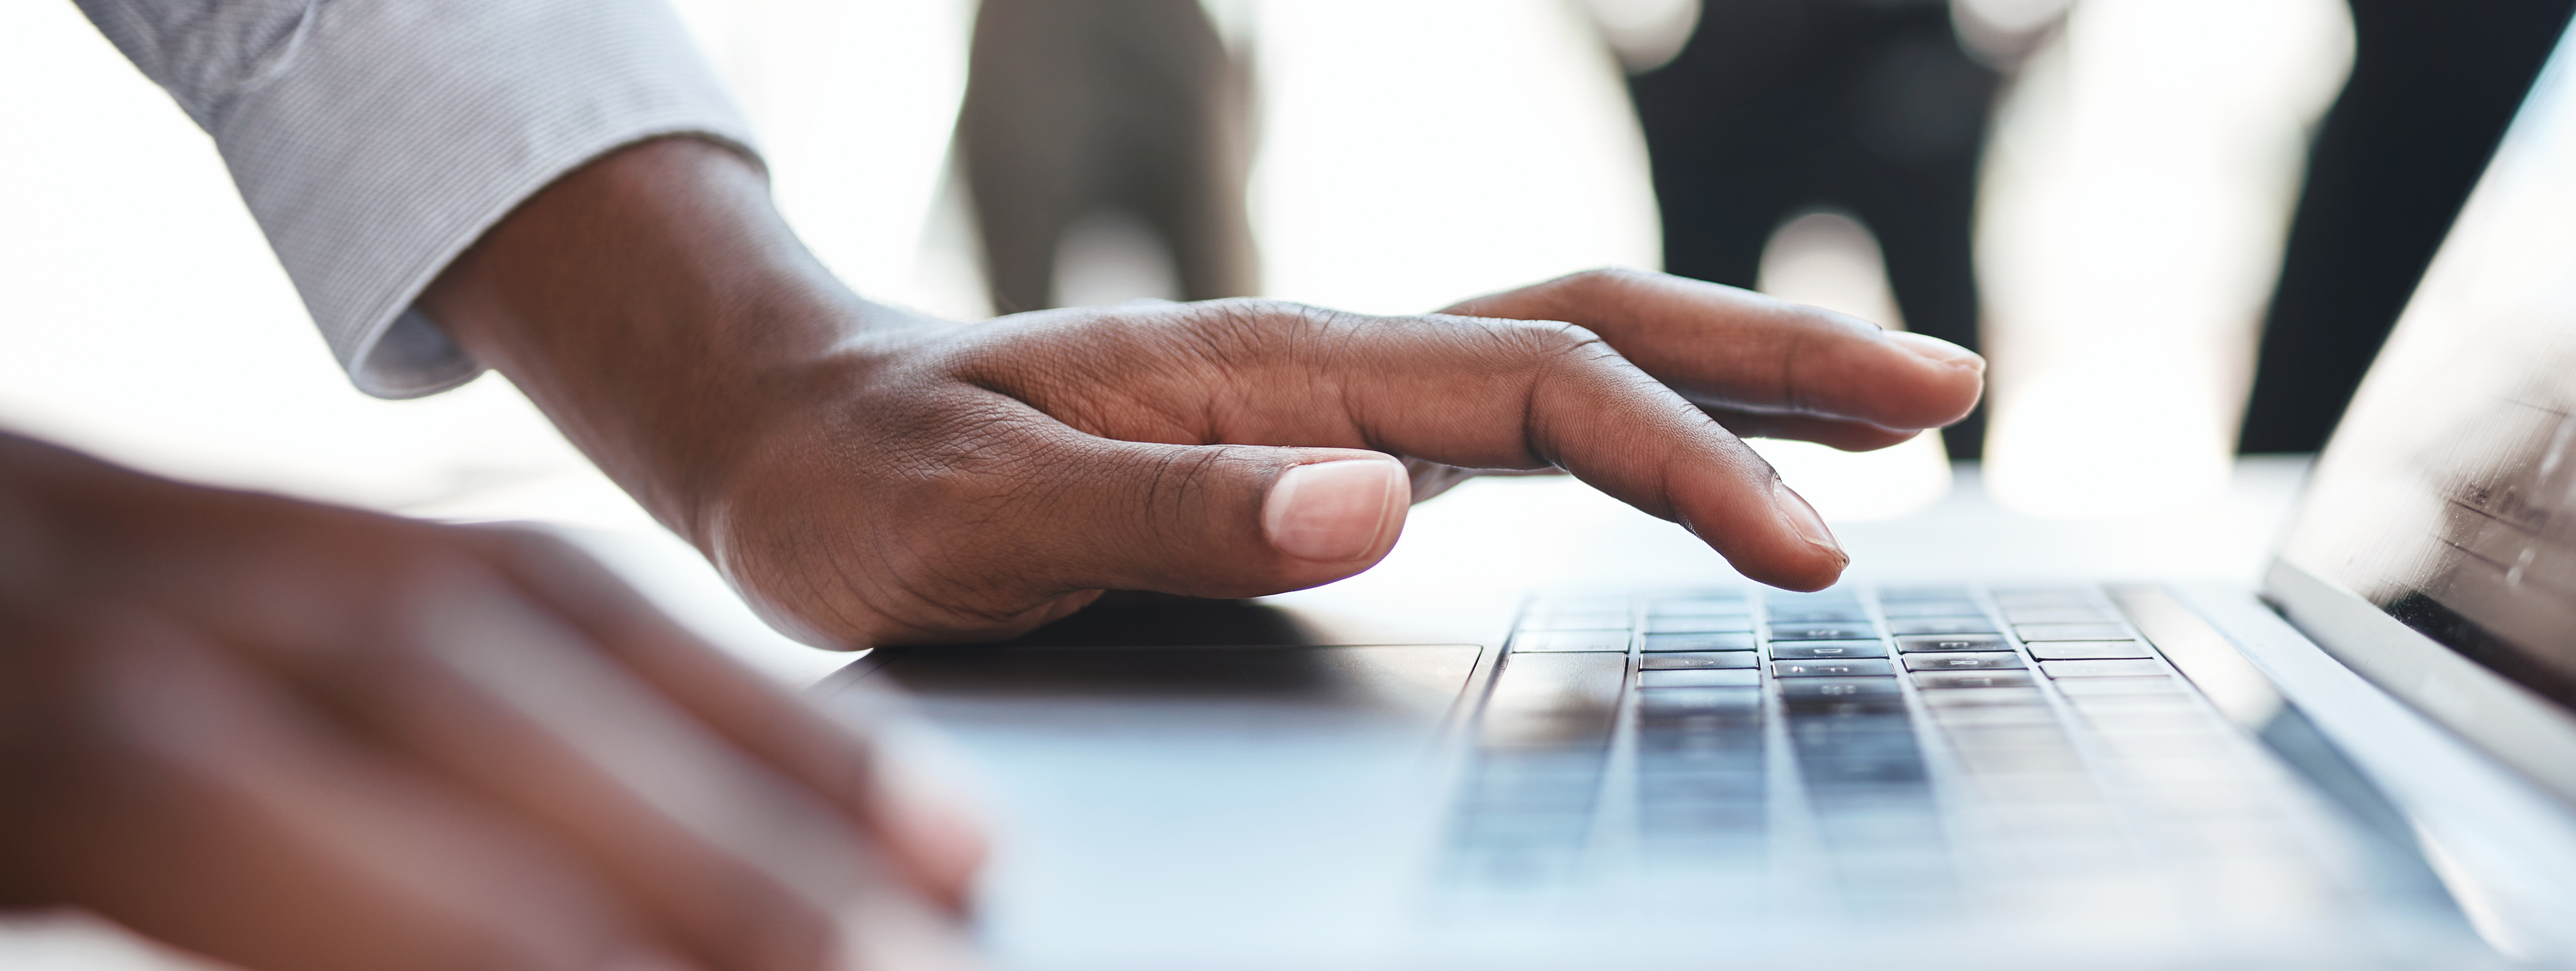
(1223, 520)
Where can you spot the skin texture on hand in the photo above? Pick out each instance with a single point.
(298, 737)
(866, 475)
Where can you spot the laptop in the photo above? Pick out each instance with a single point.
(2368, 762)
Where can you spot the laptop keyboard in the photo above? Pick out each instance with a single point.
(1930, 747)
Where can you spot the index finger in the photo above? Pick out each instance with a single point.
(1583, 407)
(1734, 349)
(1459, 391)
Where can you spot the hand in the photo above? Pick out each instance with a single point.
(866, 475)
(297, 737)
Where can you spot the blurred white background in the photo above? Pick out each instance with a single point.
(1413, 152)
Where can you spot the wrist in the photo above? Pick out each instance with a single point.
(656, 307)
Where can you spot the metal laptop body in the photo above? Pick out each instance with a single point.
(2370, 764)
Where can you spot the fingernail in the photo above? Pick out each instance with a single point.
(1334, 511)
(1803, 518)
(1936, 349)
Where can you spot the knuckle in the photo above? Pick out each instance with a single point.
(1592, 286)
(1551, 340)
(1597, 279)
(1258, 321)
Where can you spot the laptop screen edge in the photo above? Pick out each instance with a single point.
(2511, 723)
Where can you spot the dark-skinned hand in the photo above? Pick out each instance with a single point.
(302, 738)
(867, 475)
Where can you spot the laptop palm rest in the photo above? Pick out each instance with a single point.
(1153, 803)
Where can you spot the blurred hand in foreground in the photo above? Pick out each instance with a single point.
(297, 737)
(866, 475)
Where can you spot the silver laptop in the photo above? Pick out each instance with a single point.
(2371, 762)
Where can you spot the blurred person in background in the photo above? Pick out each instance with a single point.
(1881, 107)
(2432, 89)
(1083, 108)
(293, 736)
(1775, 107)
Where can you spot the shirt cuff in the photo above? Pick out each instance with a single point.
(397, 133)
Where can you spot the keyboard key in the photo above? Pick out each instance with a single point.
(2088, 650)
(1701, 624)
(1525, 791)
(1847, 771)
(2101, 669)
(1813, 729)
(2116, 686)
(1585, 763)
(1964, 661)
(1829, 707)
(2058, 615)
(1658, 762)
(1819, 650)
(1703, 678)
(2071, 632)
(1694, 660)
(1516, 824)
(1661, 729)
(2045, 597)
(1930, 608)
(1658, 643)
(1736, 749)
(2042, 821)
(1562, 705)
(1859, 667)
(1940, 625)
(1696, 606)
(1991, 714)
(1702, 786)
(1832, 689)
(1819, 615)
(1823, 632)
(1709, 816)
(2018, 760)
(2149, 702)
(1691, 702)
(2153, 746)
(1951, 642)
(1945, 680)
(1862, 745)
(2071, 790)
(2004, 736)
(1570, 642)
(1882, 828)
(2146, 721)
(1740, 727)
(1617, 621)
(1977, 697)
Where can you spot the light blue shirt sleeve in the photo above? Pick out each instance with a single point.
(375, 140)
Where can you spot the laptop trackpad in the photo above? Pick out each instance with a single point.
(1154, 802)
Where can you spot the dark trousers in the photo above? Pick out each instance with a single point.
(1073, 105)
(2433, 87)
(1869, 106)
